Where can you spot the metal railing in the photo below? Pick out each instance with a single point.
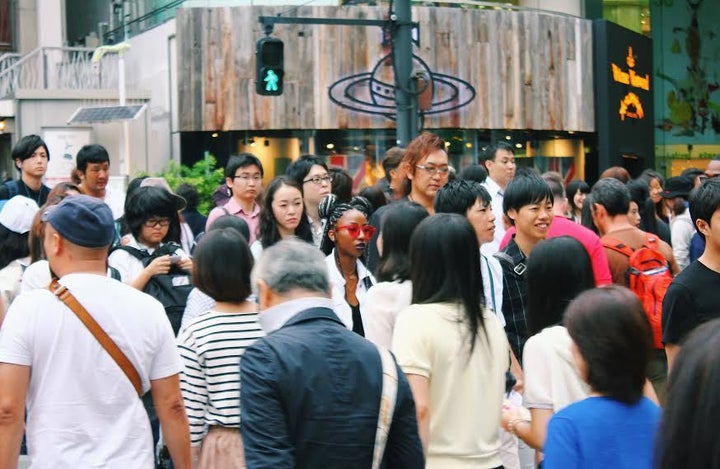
(57, 68)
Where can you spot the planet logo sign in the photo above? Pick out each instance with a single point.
(374, 92)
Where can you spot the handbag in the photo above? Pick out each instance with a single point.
(102, 337)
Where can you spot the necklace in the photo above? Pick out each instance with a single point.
(352, 275)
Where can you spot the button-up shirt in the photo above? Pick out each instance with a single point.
(233, 208)
(497, 207)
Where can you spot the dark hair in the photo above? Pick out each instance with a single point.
(190, 194)
(613, 195)
(375, 195)
(300, 168)
(331, 209)
(492, 150)
(692, 406)
(692, 173)
(586, 218)
(420, 147)
(14, 246)
(92, 153)
(640, 194)
(222, 263)
(558, 270)
(233, 222)
(525, 190)
(445, 267)
(459, 196)
(648, 175)
(572, 188)
(26, 146)
(474, 172)
(704, 201)
(242, 160)
(555, 183)
(612, 333)
(149, 201)
(269, 233)
(341, 184)
(393, 158)
(133, 185)
(397, 226)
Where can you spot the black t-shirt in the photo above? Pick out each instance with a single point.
(38, 196)
(691, 299)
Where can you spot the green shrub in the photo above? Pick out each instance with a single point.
(203, 175)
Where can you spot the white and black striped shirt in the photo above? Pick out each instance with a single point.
(211, 347)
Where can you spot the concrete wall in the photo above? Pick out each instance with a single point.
(151, 68)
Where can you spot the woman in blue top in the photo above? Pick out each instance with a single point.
(614, 427)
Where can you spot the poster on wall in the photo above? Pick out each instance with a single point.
(687, 73)
(63, 144)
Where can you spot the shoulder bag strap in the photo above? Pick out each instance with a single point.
(388, 398)
(105, 341)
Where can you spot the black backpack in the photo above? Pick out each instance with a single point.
(171, 289)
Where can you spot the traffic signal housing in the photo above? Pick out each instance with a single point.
(269, 62)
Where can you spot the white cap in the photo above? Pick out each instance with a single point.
(17, 214)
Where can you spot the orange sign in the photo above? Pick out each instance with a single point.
(630, 105)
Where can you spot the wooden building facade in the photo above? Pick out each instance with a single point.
(490, 69)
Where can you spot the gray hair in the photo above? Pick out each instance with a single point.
(293, 265)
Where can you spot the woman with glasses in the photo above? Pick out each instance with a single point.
(452, 350)
(282, 215)
(152, 216)
(347, 234)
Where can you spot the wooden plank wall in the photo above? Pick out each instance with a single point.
(531, 70)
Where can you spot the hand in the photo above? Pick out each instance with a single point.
(186, 264)
(511, 412)
(159, 266)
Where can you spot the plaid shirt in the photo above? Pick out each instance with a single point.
(513, 263)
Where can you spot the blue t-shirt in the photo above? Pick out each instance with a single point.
(599, 432)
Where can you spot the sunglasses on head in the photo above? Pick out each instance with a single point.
(353, 229)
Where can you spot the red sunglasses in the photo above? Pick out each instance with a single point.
(354, 230)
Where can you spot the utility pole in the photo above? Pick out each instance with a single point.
(405, 101)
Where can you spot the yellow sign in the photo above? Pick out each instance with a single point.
(630, 105)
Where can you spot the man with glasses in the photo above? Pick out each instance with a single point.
(499, 161)
(426, 166)
(311, 173)
(243, 176)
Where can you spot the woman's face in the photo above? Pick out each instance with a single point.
(655, 190)
(351, 234)
(287, 208)
(579, 199)
(154, 230)
(634, 214)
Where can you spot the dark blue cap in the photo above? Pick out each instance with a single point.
(82, 220)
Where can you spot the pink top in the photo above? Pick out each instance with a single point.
(233, 208)
(561, 226)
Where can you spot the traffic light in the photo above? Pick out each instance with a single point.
(269, 62)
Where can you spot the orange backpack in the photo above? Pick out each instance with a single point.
(648, 276)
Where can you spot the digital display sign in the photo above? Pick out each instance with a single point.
(623, 98)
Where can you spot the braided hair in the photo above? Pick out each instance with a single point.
(331, 210)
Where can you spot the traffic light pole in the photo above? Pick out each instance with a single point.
(405, 101)
(401, 32)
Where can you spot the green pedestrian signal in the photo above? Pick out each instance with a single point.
(269, 67)
(271, 80)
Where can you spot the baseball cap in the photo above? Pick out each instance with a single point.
(17, 214)
(82, 220)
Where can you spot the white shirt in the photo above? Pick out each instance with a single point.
(383, 303)
(497, 207)
(82, 409)
(275, 317)
(116, 202)
(337, 281)
(492, 278)
(682, 230)
(130, 266)
(37, 275)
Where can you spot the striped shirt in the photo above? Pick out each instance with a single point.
(210, 348)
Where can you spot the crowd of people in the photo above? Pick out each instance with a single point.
(491, 318)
